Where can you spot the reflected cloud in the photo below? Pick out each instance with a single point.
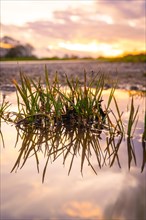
(129, 203)
(83, 210)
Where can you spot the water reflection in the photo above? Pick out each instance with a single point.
(130, 203)
(115, 193)
(137, 93)
(98, 147)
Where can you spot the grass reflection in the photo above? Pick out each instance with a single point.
(137, 93)
(4, 105)
(69, 143)
(131, 151)
(144, 144)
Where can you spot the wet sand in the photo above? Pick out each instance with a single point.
(129, 75)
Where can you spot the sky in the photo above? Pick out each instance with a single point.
(76, 27)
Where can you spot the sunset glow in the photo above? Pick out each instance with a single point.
(81, 28)
(4, 45)
(103, 49)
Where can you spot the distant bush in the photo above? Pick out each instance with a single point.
(20, 51)
(127, 58)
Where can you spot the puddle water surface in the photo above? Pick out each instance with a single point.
(116, 192)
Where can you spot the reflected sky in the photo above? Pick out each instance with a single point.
(114, 193)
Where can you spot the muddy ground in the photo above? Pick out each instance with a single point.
(129, 75)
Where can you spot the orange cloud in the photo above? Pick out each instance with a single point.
(83, 210)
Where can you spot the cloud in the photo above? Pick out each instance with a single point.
(122, 10)
(86, 30)
(107, 22)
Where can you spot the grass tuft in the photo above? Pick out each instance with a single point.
(69, 121)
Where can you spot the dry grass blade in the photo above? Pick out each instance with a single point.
(44, 171)
(144, 144)
(131, 153)
(116, 149)
(120, 123)
(132, 118)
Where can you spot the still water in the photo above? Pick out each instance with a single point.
(118, 191)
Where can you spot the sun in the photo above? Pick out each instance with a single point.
(92, 48)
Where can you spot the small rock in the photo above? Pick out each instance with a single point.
(134, 88)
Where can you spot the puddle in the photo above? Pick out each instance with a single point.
(118, 187)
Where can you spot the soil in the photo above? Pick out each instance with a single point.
(129, 75)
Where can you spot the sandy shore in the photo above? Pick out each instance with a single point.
(129, 75)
